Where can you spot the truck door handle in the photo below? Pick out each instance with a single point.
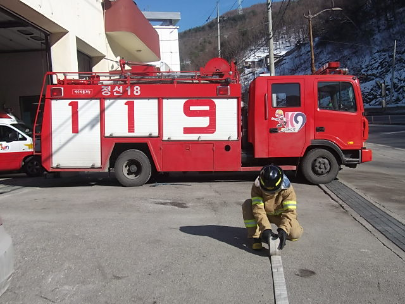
(320, 129)
(273, 130)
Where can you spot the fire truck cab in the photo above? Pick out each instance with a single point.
(140, 121)
(16, 147)
(316, 122)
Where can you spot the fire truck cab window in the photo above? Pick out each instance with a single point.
(285, 95)
(336, 96)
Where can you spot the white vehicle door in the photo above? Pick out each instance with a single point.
(14, 146)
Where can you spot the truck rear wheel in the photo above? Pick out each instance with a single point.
(319, 166)
(33, 167)
(132, 168)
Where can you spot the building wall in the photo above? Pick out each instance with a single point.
(169, 48)
(74, 25)
(79, 25)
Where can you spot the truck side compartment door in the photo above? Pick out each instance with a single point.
(191, 129)
(131, 118)
(75, 133)
(287, 119)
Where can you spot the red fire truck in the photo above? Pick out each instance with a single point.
(141, 121)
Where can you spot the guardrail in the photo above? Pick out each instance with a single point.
(386, 119)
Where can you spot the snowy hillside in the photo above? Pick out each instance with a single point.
(371, 60)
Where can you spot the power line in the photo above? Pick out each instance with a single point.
(246, 28)
(209, 17)
(230, 32)
(233, 5)
(280, 16)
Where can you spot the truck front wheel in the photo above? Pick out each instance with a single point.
(132, 168)
(319, 166)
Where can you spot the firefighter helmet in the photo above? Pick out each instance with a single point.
(271, 178)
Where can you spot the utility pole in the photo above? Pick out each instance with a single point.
(271, 48)
(392, 75)
(311, 42)
(311, 38)
(219, 31)
(240, 12)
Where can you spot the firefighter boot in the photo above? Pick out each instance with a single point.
(257, 244)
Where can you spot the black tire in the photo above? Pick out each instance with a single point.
(33, 167)
(319, 166)
(132, 168)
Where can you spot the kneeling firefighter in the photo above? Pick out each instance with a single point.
(273, 201)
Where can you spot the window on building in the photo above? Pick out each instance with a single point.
(336, 96)
(84, 62)
(285, 95)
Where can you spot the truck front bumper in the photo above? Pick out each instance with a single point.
(366, 155)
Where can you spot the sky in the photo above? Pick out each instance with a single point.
(193, 12)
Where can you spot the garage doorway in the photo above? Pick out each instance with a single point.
(25, 58)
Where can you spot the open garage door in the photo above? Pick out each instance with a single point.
(24, 59)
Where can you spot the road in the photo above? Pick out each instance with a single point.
(383, 179)
(85, 239)
(388, 135)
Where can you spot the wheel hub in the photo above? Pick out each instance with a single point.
(321, 166)
(133, 168)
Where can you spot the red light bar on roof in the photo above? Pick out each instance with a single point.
(4, 115)
(331, 68)
(332, 65)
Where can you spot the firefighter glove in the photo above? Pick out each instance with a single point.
(266, 234)
(282, 235)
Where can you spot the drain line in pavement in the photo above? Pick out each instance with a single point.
(390, 227)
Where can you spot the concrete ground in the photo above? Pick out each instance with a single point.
(87, 240)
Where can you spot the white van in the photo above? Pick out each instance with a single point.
(16, 147)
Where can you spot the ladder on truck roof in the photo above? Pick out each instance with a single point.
(217, 70)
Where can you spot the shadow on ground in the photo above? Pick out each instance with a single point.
(88, 179)
(234, 236)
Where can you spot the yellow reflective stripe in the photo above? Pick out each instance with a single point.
(257, 200)
(279, 181)
(289, 205)
(279, 211)
(270, 188)
(250, 223)
(276, 212)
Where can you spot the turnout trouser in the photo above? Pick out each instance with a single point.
(254, 232)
